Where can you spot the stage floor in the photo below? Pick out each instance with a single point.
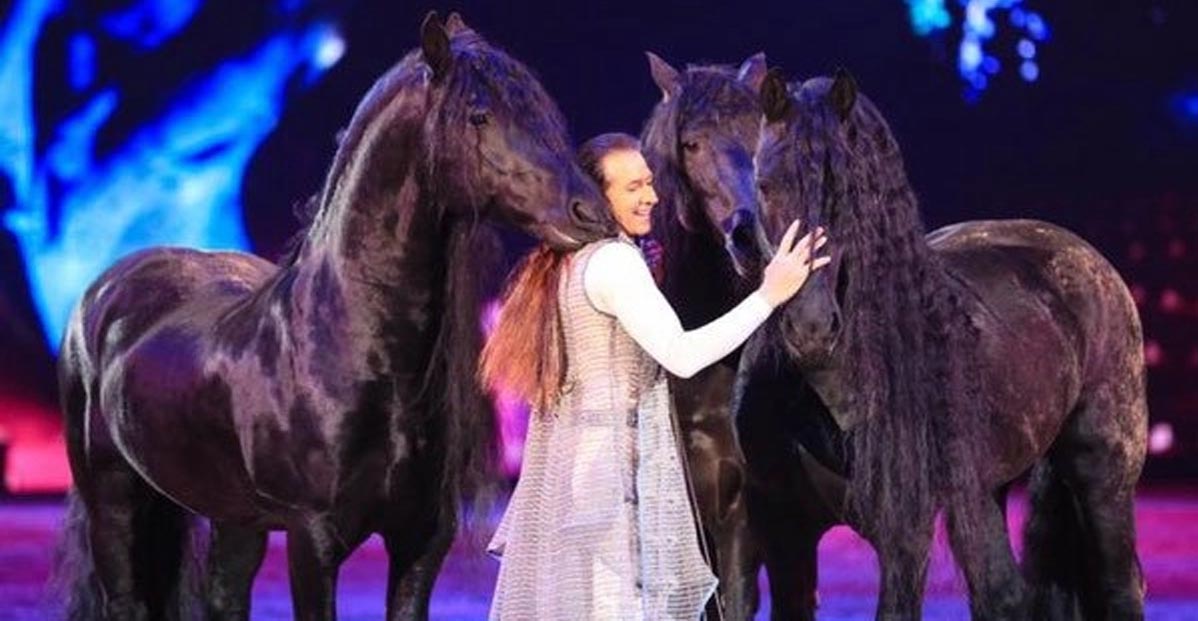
(1168, 542)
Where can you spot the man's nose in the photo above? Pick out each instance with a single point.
(650, 197)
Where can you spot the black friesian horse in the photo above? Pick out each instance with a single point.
(917, 374)
(334, 396)
(699, 142)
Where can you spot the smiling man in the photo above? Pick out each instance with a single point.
(629, 189)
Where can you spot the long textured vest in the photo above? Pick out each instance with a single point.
(600, 524)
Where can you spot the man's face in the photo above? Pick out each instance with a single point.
(629, 190)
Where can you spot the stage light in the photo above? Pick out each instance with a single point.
(1171, 301)
(1160, 438)
(1036, 27)
(928, 16)
(1026, 49)
(977, 28)
(330, 50)
(970, 56)
(1154, 356)
(1029, 70)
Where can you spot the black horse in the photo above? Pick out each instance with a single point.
(332, 396)
(699, 142)
(918, 374)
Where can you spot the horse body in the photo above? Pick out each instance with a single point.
(1028, 333)
(699, 143)
(332, 396)
(1057, 327)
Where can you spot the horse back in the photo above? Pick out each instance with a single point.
(1055, 321)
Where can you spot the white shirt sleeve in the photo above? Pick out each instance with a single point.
(618, 282)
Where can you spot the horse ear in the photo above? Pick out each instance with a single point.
(434, 43)
(665, 76)
(752, 71)
(843, 93)
(775, 99)
(455, 24)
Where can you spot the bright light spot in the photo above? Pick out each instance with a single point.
(1189, 105)
(1154, 356)
(1029, 70)
(1026, 49)
(928, 16)
(1171, 301)
(1160, 438)
(976, 19)
(971, 56)
(1036, 27)
(330, 50)
(1018, 17)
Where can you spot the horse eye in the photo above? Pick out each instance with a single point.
(690, 146)
(763, 188)
(478, 119)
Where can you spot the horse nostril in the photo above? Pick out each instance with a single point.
(578, 211)
(835, 323)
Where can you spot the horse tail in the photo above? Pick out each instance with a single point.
(1054, 551)
(166, 563)
(74, 575)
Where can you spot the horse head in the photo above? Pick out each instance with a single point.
(700, 142)
(806, 147)
(500, 145)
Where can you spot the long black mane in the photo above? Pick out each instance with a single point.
(909, 344)
(466, 433)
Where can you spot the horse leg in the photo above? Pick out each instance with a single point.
(315, 551)
(738, 558)
(1052, 546)
(904, 572)
(996, 589)
(111, 502)
(789, 542)
(415, 558)
(1102, 456)
(234, 556)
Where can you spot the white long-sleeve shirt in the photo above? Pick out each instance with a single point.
(617, 281)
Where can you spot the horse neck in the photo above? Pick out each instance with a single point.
(699, 280)
(378, 247)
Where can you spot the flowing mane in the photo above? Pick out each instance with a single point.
(910, 344)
